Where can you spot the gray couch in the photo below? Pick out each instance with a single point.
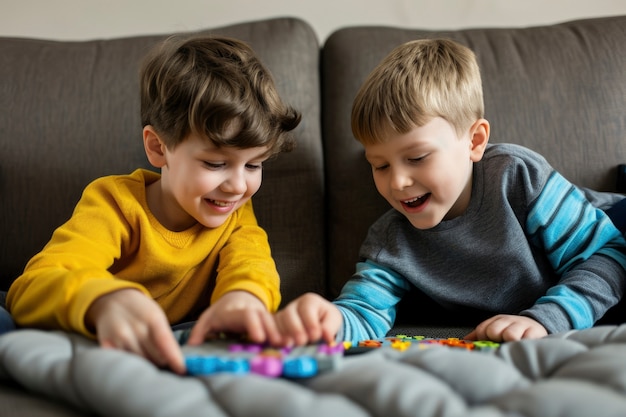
(70, 113)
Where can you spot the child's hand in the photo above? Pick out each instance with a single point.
(309, 319)
(507, 328)
(131, 321)
(237, 312)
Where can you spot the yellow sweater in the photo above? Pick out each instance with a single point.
(112, 241)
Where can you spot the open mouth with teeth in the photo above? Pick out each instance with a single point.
(417, 201)
(221, 203)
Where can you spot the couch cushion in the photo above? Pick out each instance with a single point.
(560, 90)
(71, 114)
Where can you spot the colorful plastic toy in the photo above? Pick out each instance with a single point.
(240, 357)
(243, 358)
(403, 342)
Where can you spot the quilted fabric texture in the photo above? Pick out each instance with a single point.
(580, 373)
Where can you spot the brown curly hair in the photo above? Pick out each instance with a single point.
(215, 87)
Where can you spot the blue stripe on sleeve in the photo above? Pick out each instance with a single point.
(568, 227)
(570, 230)
(575, 305)
(368, 301)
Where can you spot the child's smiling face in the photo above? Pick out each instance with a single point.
(206, 184)
(426, 174)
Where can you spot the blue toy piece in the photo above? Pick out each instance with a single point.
(300, 367)
(202, 365)
(234, 365)
(207, 365)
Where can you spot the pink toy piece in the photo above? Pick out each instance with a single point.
(270, 366)
(235, 348)
(331, 349)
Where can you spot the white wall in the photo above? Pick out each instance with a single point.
(91, 19)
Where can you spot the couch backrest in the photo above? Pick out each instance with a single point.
(560, 90)
(70, 113)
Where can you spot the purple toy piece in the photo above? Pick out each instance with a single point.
(271, 366)
(331, 349)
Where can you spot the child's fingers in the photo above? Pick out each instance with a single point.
(272, 334)
(260, 327)
(331, 322)
(120, 336)
(198, 332)
(471, 336)
(163, 349)
(291, 327)
(311, 323)
(309, 319)
(321, 318)
(138, 343)
(257, 324)
(254, 324)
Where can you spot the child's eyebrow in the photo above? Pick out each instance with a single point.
(415, 145)
(369, 156)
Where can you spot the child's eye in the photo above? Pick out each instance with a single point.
(418, 159)
(380, 167)
(213, 165)
(254, 167)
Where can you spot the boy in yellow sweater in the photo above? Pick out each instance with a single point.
(145, 251)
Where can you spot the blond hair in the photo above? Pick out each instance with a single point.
(416, 82)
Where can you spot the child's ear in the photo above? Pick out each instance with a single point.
(479, 137)
(154, 146)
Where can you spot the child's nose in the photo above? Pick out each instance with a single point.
(235, 183)
(400, 179)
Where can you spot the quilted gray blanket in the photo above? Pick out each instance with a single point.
(579, 373)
